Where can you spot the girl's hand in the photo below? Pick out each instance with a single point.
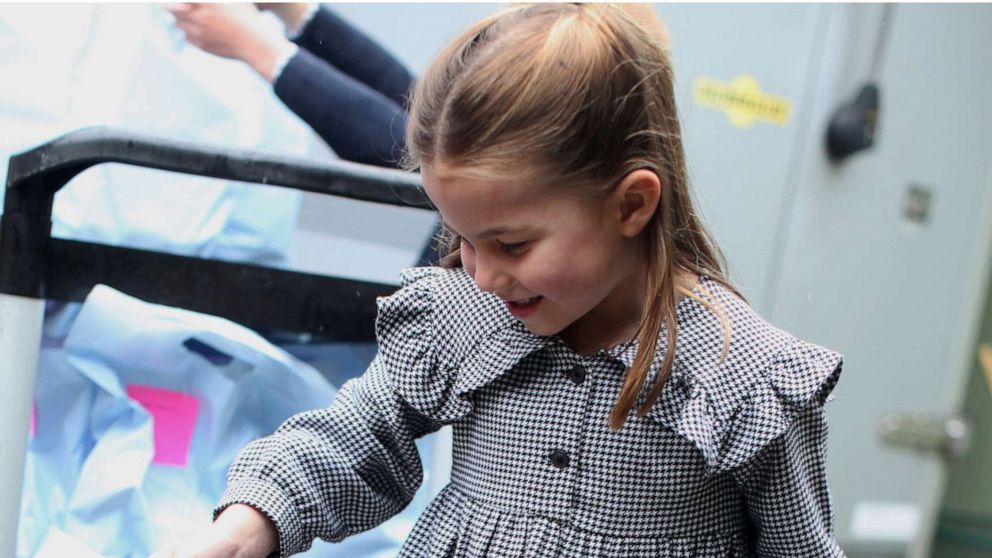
(240, 532)
(200, 545)
(232, 31)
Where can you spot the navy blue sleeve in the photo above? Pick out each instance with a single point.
(359, 123)
(352, 93)
(349, 50)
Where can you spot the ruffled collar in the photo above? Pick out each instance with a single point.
(727, 409)
(731, 408)
(510, 342)
(498, 353)
(687, 404)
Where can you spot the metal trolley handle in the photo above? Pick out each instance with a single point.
(33, 264)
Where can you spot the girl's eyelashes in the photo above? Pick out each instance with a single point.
(506, 247)
(511, 247)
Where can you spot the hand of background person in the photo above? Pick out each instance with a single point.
(234, 31)
(239, 532)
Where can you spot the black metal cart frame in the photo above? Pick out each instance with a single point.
(34, 266)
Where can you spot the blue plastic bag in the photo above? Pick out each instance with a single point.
(91, 467)
(96, 467)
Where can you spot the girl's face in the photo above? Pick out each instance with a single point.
(562, 264)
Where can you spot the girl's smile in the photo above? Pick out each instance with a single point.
(523, 308)
(563, 264)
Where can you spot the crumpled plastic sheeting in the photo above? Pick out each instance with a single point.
(90, 470)
(69, 66)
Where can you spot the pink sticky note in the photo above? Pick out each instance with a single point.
(173, 419)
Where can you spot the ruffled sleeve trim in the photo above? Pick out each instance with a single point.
(731, 423)
(406, 333)
(441, 338)
(799, 379)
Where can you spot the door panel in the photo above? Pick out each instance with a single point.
(898, 296)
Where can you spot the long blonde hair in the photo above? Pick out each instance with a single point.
(582, 93)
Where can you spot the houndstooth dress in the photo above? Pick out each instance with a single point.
(728, 463)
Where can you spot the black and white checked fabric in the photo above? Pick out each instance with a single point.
(728, 463)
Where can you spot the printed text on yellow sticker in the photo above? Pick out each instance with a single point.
(742, 101)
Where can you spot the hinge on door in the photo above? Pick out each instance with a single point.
(948, 436)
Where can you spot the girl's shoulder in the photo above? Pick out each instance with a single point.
(442, 307)
(739, 381)
(724, 339)
(441, 337)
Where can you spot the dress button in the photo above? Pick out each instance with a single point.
(576, 373)
(560, 459)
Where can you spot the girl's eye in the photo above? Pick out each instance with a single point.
(511, 247)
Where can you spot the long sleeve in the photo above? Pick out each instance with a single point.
(349, 90)
(337, 471)
(357, 122)
(346, 48)
(785, 491)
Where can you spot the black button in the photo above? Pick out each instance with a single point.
(560, 459)
(576, 373)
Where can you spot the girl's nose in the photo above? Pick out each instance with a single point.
(488, 276)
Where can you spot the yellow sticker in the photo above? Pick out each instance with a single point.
(985, 357)
(742, 101)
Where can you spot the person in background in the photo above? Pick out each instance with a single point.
(344, 85)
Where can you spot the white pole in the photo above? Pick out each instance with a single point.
(20, 340)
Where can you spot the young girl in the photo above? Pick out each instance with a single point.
(610, 392)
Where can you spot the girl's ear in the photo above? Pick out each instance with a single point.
(637, 197)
